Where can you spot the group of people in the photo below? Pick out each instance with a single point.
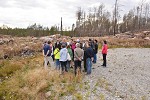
(71, 54)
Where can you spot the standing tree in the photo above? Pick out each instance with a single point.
(115, 16)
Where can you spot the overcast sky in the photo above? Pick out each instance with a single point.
(22, 13)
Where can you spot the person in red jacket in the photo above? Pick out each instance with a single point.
(104, 52)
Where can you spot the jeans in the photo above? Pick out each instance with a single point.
(64, 66)
(53, 57)
(84, 63)
(89, 65)
(95, 58)
(68, 65)
(57, 64)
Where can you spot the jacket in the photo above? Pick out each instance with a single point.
(104, 49)
(57, 53)
(70, 53)
(89, 53)
(63, 54)
(78, 54)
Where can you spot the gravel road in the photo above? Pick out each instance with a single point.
(126, 77)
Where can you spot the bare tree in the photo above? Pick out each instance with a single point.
(115, 16)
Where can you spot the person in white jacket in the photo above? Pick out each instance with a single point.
(63, 58)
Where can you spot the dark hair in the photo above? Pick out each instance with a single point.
(96, 41)
(63, 45)
(68, 46)
(105, 42)
(49, 42)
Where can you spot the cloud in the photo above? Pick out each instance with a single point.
(21, 13)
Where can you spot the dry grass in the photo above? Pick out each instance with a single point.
(32, 81)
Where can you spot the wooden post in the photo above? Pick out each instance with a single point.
(61, 27)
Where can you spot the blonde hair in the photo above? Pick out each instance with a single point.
(78, 45)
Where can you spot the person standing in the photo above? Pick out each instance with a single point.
(84, 58)
(71, 56)
(58, 44)
(104, 52)
(57, 57)
(64, 42)
(73, 46)
(95, 51)
(52, 53)
(89, 58)
(78, 55)
(63, 58)
(47, 54)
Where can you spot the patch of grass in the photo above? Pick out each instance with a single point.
(71, 88)
(30, 81)
(101, 97)
(143, 98)
(8, 68)
(78, 96)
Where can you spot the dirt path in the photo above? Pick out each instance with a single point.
(127, 76)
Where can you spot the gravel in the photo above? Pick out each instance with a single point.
(126, 77)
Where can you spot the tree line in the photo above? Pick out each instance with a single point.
(98, 21)
(32, 30)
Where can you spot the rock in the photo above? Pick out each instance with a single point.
(147, 38)
(48, 94)
(1, 42)
(6, 56)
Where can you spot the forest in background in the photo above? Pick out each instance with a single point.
(96, 22)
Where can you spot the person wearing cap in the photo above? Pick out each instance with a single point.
(78, 55)
(78, 41)
(63, 58)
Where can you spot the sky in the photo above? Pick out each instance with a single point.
(22, 13)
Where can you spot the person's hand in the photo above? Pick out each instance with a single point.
(79, 59)
(92, 59)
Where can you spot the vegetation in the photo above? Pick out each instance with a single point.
(27, 80)
(33, 30)
(99, 21)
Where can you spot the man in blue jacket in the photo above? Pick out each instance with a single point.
(89, 58)
(46, 54)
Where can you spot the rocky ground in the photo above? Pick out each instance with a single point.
(126, 77)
